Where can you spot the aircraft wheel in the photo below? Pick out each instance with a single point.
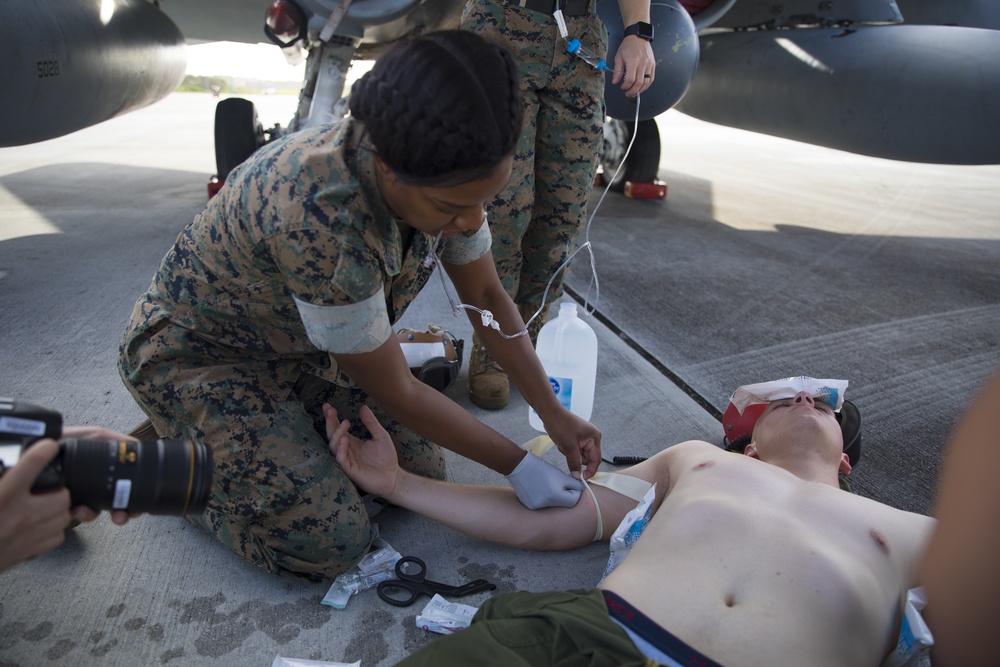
(643, 162)
(616, 136)
(238, 133)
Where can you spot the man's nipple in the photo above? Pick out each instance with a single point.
(880, 541)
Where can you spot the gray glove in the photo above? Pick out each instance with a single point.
(538, 483)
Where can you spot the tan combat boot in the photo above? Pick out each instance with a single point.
(489, 387)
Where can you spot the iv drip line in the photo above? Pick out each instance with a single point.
(487, 316)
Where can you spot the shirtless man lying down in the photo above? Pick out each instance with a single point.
(756, 559)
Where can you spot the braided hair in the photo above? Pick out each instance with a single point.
(441, 109)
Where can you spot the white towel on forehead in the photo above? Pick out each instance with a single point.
(830, 392)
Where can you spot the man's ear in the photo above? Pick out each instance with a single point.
(845, 464)
(751, 451)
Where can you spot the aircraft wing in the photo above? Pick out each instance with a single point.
(861, 76)
(69, 64)
(218, 20)
(900, 79)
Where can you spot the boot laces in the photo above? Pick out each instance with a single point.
(486, 360)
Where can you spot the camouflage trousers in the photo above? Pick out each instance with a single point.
(536, 220)
(279, 499)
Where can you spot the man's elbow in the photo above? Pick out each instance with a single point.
(551, 540)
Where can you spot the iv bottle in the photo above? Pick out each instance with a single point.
(567, 348)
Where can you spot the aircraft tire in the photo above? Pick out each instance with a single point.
(238, 133)
(643, 162)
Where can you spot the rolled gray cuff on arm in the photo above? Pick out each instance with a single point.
(350, 329)
(462, 249)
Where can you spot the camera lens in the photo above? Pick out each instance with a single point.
(154, 477)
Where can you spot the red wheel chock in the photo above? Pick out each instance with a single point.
(214, 185)
(646, 190)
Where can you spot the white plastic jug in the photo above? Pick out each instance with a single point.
(567, 348)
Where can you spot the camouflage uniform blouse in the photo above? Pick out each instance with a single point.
(298, 255)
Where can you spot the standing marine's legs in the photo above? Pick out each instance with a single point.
(568, 139)
(531, 37)
(536, 220)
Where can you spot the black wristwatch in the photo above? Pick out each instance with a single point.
(640, 29)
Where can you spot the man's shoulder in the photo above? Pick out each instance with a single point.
(694, 448)
(682, 451)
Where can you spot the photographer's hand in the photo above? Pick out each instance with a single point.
(30, 524)
(94, 433)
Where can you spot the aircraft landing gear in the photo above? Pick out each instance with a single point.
(238, 133)
(643, 162)
(238, 130)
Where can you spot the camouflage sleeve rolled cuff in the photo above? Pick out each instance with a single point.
(351, 329)
(462, 249)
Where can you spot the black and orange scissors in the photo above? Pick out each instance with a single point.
(411, 584)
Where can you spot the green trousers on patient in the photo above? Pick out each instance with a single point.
(557, 629)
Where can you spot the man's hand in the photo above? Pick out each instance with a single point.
(30, 524)
(578, 440)
(635, 66)
(94, 433)
(372, 465)
(538, 484)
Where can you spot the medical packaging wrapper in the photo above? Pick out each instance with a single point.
(445, 617)
(296, 662)
(915, 638)
(830, 392)
(629, 530)
(377, 566)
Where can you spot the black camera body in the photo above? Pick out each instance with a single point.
(154, 477)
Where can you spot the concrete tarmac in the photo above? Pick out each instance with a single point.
(769, 258)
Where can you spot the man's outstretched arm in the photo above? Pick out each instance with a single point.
(485, 512)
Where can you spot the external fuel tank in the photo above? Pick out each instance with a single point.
(68, 65)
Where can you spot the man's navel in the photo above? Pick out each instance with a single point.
(703, 465)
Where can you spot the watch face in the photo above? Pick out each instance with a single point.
(641, 29)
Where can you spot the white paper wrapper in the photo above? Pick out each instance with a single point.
(915, 639)
(445, 617)
(297, 662)
(377, 566)
(629, 530)
(830, 392)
